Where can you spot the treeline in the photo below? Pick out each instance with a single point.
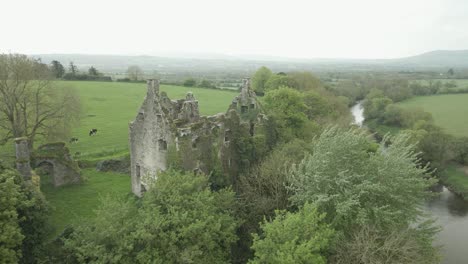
(72, 73)
(394, 87)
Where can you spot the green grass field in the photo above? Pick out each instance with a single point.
(450, 111)
(76, 203)
(110, 106)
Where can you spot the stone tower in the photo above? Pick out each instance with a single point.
(23, 157)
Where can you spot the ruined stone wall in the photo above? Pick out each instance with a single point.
(150, 134)
(23, 158)
(202, 143)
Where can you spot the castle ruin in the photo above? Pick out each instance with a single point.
(164, 129)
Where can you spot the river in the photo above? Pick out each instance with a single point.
(449, 210)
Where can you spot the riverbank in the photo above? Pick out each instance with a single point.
(455, 178)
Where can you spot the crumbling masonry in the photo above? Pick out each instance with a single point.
(165, 128)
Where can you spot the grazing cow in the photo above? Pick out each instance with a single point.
(73, 140)
(93, 132)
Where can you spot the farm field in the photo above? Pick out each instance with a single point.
(75, 203)
(461, 83)
(450, 111)
(110, 106)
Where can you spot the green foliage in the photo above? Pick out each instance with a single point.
(93, 71)
(190, 82)
(11, 236)
(287, 107)
(178, 221)
(299, 237)
(374, 108)
(306, 81)
(369, 245)
(23, 219)
(355, 186)
(57, 69)
(259, 80)
(456, 179)
(279, 80)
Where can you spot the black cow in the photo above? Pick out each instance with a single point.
(93, 132)
(73, 140)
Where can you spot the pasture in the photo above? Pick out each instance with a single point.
(450, 111)
(110, 106)
(76, 203)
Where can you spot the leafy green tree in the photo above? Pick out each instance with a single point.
(23, 218)
(306, 81)
(451, 72)
(355, 184)
(179, 220)
(279, 80)
(259, 79)
(134, 73)
(369, 245)
(93, 71)
(206, 84)
(190, 82)
(57, 69)
(300, 237)
(287, 107)
(11, 236)
(375, 108)
(359, 185)
(72, 69)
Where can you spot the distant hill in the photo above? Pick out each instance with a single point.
(199, 63)
(435, 59)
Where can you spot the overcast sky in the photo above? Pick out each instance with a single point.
(292, 28)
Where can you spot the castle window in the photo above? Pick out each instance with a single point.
(252, 106)
(195, 143)
(141, 116)
(227, 135)
(162, 144)
(252, 129)
(244, 109)
(138, 172)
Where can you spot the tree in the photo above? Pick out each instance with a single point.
(72, 68)
(451, 72)
(30, 104)
(190, 82)
(93, 71)
(287, 107)
(259, 79)
(23, 218)
(353, 182)
(306, 81)
(358, 184)
(279, 80)
(57, 69)
(369, 245)
(179, 220)
(134, 73)
(11, 236)
(290, 238)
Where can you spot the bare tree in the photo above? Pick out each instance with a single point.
(134, 73)
(30, 104)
